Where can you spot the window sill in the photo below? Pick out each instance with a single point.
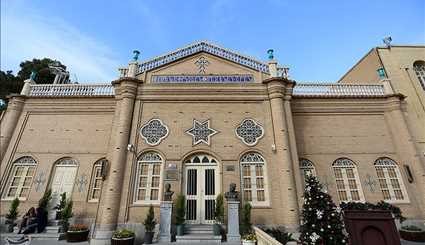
(397, 201)
(9, 199)
(145, 204)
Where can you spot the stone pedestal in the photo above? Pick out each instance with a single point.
(165, 211)
(233, 221)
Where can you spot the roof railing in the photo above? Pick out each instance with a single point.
(65, 90)
(300, 89)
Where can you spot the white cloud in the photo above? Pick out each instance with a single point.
(26, 34)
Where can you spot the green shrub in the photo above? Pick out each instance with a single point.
(44, 201)
(411, 228)
(280, 235)
(219, 209)
(13, 210)
(180, 209)
(245, 226)
(382, 205)
(150, 221)
(66, 214)
(123, 233)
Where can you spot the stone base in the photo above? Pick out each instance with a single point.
(234, 238)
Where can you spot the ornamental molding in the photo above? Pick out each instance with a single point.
(201, 132)
(249, 131)
(235, 78)
(154, 131)
(206, 47)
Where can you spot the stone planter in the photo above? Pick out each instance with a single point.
(180, 230)
(148, 237)
(248, 242)
(217, 229)
(77, 236)
(122, 241)
(413, 236)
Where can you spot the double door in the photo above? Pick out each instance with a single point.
(201, 189)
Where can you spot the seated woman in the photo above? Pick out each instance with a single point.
(29, 222)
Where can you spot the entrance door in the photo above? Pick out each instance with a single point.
(201, 188)
(62, 181)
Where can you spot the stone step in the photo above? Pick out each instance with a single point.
(199, 228)
(53, 229)
(199, 238)
(37, 236)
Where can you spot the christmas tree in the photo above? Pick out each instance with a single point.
(322, 222)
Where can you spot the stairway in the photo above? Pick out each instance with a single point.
(51, 233)
(199, 234)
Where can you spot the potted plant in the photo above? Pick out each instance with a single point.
(180, 213)
(149, 223)
(77, 233)
(412, 233)
(66, 214)
(122, 237)
(60, 206)
(12, 215)
(219, 214)
(249, 239)
(245, 226)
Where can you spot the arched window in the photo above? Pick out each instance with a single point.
(306, 168)
(390, 180)
(347, 180)
(96, 181)
(419, 68)
(148, 178)
(254, 179)
(20, 178)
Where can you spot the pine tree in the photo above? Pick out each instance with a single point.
(322, 222)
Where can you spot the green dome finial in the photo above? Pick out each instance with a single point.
(136, 55)
(270, 52)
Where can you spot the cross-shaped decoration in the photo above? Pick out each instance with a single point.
(39, 181)
(202, 64)
(81, 183)
(201, 132)
(369, 181)
(325, 182)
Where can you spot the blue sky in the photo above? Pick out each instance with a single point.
(318, 40)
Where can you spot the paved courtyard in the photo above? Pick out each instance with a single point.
(48, 242)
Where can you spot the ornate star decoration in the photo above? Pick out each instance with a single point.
(201, 132)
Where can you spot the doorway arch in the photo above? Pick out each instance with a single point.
(201, 185)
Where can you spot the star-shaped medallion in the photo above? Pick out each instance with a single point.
(201, 132)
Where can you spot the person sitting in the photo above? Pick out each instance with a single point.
(29, 222)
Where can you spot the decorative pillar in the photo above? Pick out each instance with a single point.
(125, 90)
(26, 89)
(165, 211)
(293, 145)
(232, 198)
(288, 206)
(405, 146)
(10, 120)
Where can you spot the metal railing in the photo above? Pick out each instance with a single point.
(331, 90)
(62, 90)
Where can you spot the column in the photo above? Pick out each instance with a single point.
(288, 204)
(125, 89)
(10, 120)
(233, 221)
(293, 147)
(405, 146)
(165, 211)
